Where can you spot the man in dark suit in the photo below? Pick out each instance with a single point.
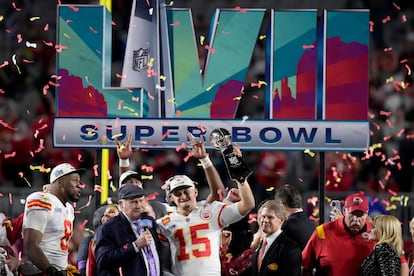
(127, 244)
(277, 254)
(297, 226)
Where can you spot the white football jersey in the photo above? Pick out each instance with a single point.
(44, 212)
(195, 239)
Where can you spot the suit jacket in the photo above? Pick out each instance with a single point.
(299, 228)
(114, 248)
(282, 258)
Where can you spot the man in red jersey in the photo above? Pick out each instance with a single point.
(339, 247)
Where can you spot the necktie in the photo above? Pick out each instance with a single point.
(148, 254)
(261, 254)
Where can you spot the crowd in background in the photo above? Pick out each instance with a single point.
(27, 107)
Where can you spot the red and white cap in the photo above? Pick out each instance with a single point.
(356, 202)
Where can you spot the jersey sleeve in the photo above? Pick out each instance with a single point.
(228, 214)
(37, 211)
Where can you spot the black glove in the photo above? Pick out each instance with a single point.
(52, 271)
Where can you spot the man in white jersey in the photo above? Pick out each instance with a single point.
(48, 223)
(194, 231)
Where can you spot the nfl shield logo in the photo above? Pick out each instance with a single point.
(140, 59)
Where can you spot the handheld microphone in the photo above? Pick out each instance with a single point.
(145, 221)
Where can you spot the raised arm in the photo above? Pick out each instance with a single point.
(246, 203)
(199, 152)
(124, 152)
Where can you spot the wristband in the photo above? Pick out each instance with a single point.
(124, 163)
(206, 162)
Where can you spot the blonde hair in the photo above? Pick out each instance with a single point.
(389, 230)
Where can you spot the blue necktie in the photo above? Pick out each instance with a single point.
(148, 253)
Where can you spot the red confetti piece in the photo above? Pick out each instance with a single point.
(152, 196)
(2, 91)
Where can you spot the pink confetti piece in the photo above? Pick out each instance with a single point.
(187, 157)
(95, 170)
(5, 63)
(386, 19)
(208, 48)
(396, 6)
(2, 91)
(180, 147)
(371, 26)
(120, 76)
(46, 27)
(10, 198)
(135, 99)
(120, 102)
(93, 30)
(237, 8)
(97, 188)
(45, 89)
(48, 43)
(408, 69)
(176, 23)
(151, 97)
(75, 9)
(15, 7)
(19, 38)
(165, 135)
(87, 203)
(9, 155)
(404, 18)
(308, 46)
(220, 194)
(6, 125)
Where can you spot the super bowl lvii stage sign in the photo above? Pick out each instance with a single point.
(316, 78)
